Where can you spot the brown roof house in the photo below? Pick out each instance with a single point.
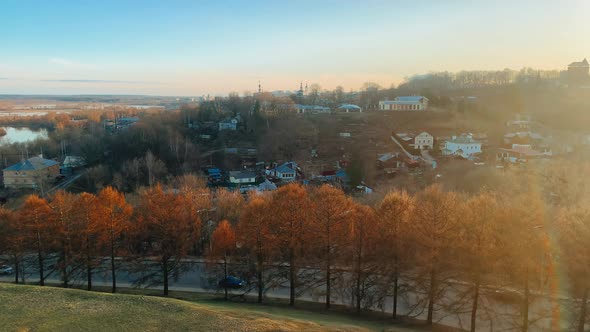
(30, 173)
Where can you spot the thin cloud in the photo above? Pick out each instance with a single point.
(70, 63)
(96, 81)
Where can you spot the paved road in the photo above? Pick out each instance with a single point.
(200, 278)
(65, 184)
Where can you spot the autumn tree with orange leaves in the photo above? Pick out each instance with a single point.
(68, 233)
(39, 230)
(253, 232)
(480, 244)
(574, 237)
(434, 229)
(290, 215)
(89, 213)
(224, 243)
(114, 221)
(394, 213)
(167, 227)
(329, 223)
(12, 240)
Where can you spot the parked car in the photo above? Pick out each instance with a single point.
(5, 269)
(231, 282)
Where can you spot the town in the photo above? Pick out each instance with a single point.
(294, 166)
(363, 142)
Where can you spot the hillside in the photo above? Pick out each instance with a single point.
(32, 308)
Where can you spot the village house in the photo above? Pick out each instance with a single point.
(285, 172)
(301, 109)
(464, 146)
(405, 103)
(242, 178)
(229, 124)
(521, 153)
(30, 173)
(424, 141)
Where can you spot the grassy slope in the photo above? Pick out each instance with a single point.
(24, 308)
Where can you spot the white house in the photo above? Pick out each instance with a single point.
(464, 146)
(311, 109)
(424, 141)
(286, 171)
(350, 108)
(242, 177)
(231, 124)
(405, 103)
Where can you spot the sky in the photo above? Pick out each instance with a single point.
(194, 48)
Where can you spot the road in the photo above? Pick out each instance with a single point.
(493, 315)
(65, 184)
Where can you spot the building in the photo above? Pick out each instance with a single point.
(301, 109)
(404, 103)
(231, 124)
(30, 173)
(242, 178)
(521, 153)
(578, 72)
(350, 108)
(424, 141)
(285, 172)
(464, 146)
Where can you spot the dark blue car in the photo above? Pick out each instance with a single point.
(231, 282)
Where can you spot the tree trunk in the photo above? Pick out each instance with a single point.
(88, 267)
(64, 270)
(89, 277)
(225, 275)
(395, 287)
(113, 269)
(16, 270)
(260, 273)
(328, 277)
(431, 295)
(474, 305)
(582, 319)
(40, 256)
(165, 274)
(292, 278)
(525, 305)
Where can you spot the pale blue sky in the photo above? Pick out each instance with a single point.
(199, 47)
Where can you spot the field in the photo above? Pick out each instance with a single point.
(33, 308)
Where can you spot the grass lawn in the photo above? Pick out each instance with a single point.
(33, 308)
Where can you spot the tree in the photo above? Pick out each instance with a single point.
(480, 243)
(332, 213)
(434, 230)
(253, 232)
(88, 212)
(115, 216)
(289, 223)
(362, 239)
(38, 225)
(394, 213)
(167, 228)
(228, 205)
(12, 238)
(224, 242)
(526, 252)
(68, 231)
(574, 236)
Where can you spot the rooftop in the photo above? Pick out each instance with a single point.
(583, 63)
(34, 163)
(463, 139)
(242, 174)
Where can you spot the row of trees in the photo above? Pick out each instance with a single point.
(437, 251)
